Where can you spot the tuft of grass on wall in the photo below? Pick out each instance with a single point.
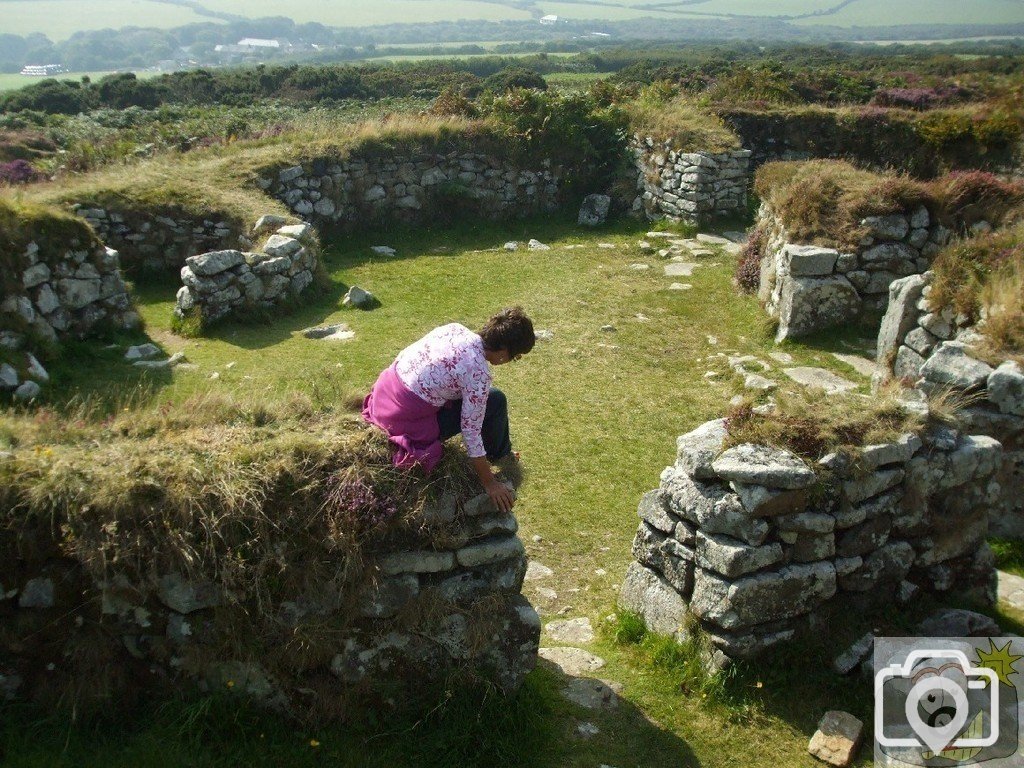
(689, 126)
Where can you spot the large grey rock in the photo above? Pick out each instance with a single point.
(763, 465)
(908, 364)
(791, 591)
(861, 488)
(851, 658)
(35, 369)
(899, 451)
(490, 550)
(712, 508)
(37, 593)
(268, 223)
(416, 562)
(186, 596)
(303, 232)
(759, 501)
(894, 227)
(900, 315)
(142, 352)
(77, 294)
(280, 245)
(888, 257)
(696, 450)
(731, 557)
(957, 622)
(36, 274)
(646, 593)
(27, 391)
(951, 366)
(1006, 388)
(594, 210)
(808, 260)
(809, 304)
(8, 377)
(214, 262)
(384, 598)
(653, 509)
(887, 565)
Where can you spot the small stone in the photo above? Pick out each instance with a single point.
(680, 269)
(837, 739)
(8, 377)
(359, 298)
(587, 730)
(608, 328)
(536, 571)
(819, 378)
(142, 352)
(383, 250)
(544, 335)
(680, 287)
(537, 245)
(852, 657)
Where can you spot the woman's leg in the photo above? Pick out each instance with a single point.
(495, 430)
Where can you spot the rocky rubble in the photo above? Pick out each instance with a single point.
(689, 186)
(220, 283)
(754, 542)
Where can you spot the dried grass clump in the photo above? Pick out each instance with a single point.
(985, 275)
(262, 500)
(689, 126)
(824, 201)
(813, 424)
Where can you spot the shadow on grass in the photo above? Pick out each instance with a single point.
(466, 728)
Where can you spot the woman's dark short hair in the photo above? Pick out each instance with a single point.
(511, 330)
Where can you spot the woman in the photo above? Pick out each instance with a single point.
(441, 385)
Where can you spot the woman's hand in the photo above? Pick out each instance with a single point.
(501, 496)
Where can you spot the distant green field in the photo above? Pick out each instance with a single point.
(59, 19)
(14, 82)
(359, 13)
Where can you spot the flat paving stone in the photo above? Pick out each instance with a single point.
(572, 661)
(578, 631)
(680, 269)
(1011, 590)
(680, 287)
(861, 365)
(592, 694)
(819, 378)
(340, 332)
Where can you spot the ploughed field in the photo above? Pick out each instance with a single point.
(595, 412)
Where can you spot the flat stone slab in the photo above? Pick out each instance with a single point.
(571, 630)
(572, 661)
(861, 365)
(837, 739)
(339, 332)
(1011, 590)
(819, 378)
(680, 287)
(680, 269)
(713, 239)
(592, 694)
(762, 465)
(536, 571)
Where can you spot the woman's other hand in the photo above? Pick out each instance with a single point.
(501, 496)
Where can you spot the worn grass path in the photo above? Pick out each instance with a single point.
(595, 414)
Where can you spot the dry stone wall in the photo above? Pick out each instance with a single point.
(754, 543)
(809, 288)
(935, 350)
(225, 282)
(57, 291)
(426, 607)
(689, 186)
(362, 190)
(161, 241)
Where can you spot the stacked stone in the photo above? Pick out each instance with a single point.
(446, 598)
(753, 542)
(64, 293)
(935, 350)
(219, 283)
(689, 186)
(357, 189)
(161, 242)
(809, 288)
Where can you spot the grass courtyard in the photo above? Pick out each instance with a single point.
(595, 414)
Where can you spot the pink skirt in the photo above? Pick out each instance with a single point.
(408, 419)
